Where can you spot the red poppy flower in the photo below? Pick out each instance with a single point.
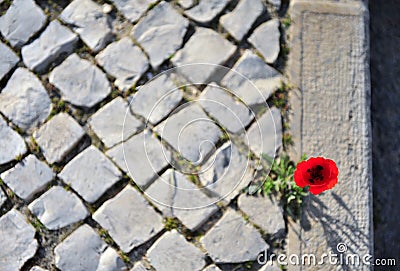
(318, 173)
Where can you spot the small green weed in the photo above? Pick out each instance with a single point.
(170, 223)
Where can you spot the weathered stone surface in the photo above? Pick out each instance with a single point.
(270, 266)
(162, 25)
(37, 268)
(206, 10)
(17, 239)
(58, 137)
(205, 46)
(24, 100)
(212, 267)
(55, 41)
(239, 21)
(142, 157)
(84, 250)
(222, 248)
(230, 113)
(129, 219)
(227, 172)
(252, 80)
(156, 99)
(12, 144)
(264, 212)
(8, 59)
(3, 197)
(58, 208)
(176, 196)
(133, 9)
(266, 40)
(186, 3)
(329, 62)
(173, 252)
(80, 82)
(89, 22)
(114, 122)
(190, 132)
(125, 61)
(275, 3)
(94, 178)
(21, 21)
(28, 177)
(139, 267)
(265, 135)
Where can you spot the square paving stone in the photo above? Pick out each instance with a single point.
(206, 10)
(22, 20)
(114, 122)
(58, 208)
(156, 99)
(162, 25)
(227, 172)
(28, 177)
(80, 82)
(239, 21)
(264, 212)
(257, 80)
(57, 137)
(125, 61)
(17, 239)
(12, 144)
(266, 40)
(129, 219)
(191, 133)
(173, 252)
(176, 196)
(232, 240)
(24, 100)
(205, 46)
(90, 174)
(133, 9)
(142, 157)
(85, 250)
(8, 59)
(229, 112)
(56, 41)
(265, 135)
(89, 22)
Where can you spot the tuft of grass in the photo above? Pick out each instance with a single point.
(37, 224)
(18, 158)
(106, 236)
(287, 22)
(170, 223)
(124, 257)
(287, 140)
(280, 98)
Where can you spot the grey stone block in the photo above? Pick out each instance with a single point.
(17, 239)
(162, 25)
(265, 135)
(186, 3)
(89, 22)
(129, 219)
(275, 3)
(191, 133)
(142, 157)
(3, 197)
(8, 59)
(58, 208)
(266, 40)
(22, 20)
(24, 100)
(206, 10)
(12, 144)
(90, 174)
(252, 80)
(173, 252)
(114, 122)
(231, 240)
(133, 9)
(239, 21)
(56, 41)
(176, 196)
(84, 250)
(28, 177)
(205, 46)
(229, 112)
(125, 61)
(156, 99)
(80, 82)
(58, 137)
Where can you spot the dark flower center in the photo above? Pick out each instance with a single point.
(316, 174)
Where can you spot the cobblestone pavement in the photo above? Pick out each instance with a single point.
(106, 164)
